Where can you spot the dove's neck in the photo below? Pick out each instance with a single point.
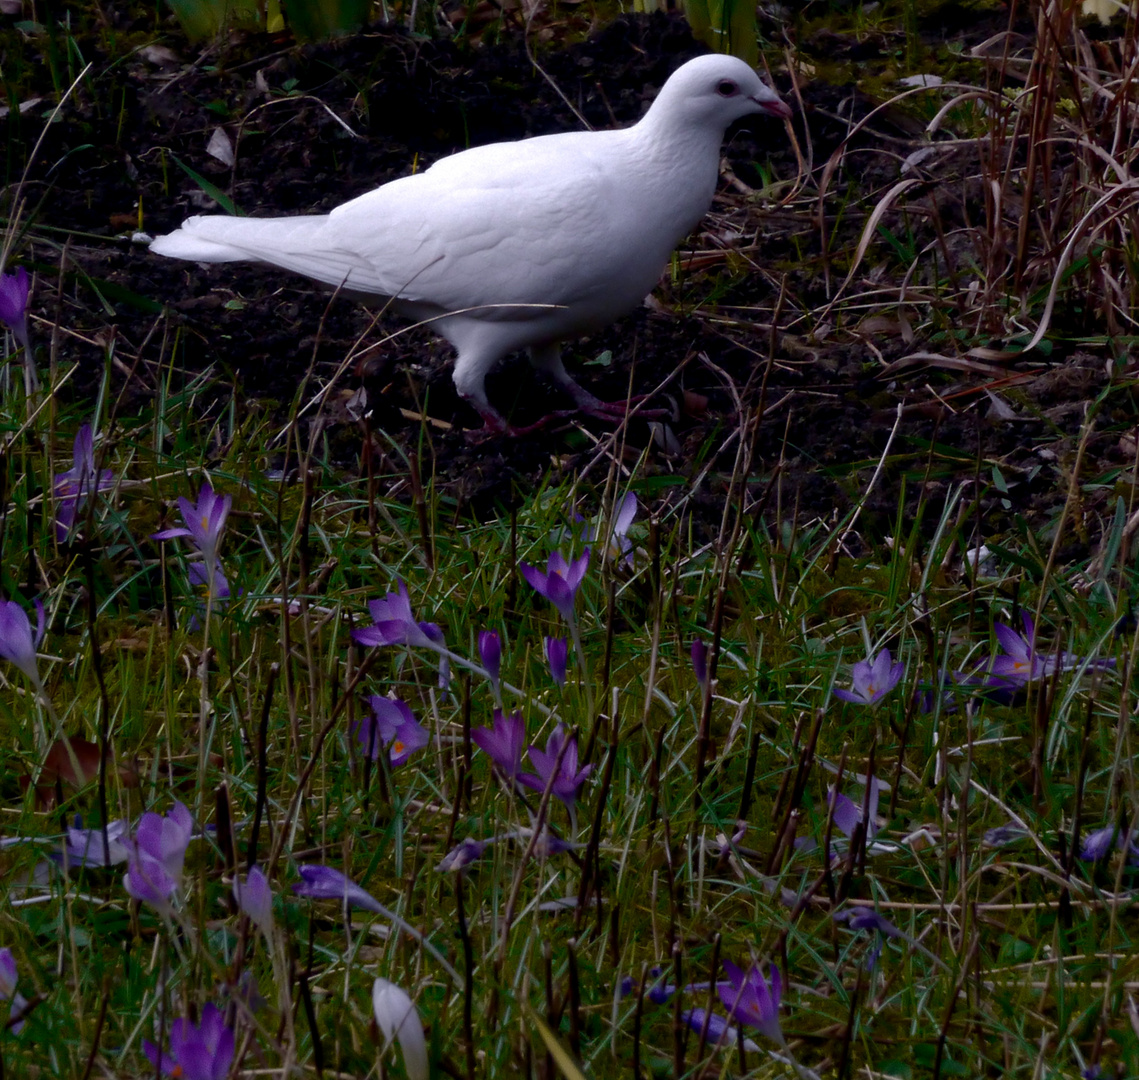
(682, 159)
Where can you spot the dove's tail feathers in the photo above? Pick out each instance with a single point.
(300, 244)
(218, 238)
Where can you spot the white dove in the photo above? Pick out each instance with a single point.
(517, 244)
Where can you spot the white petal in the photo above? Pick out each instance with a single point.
(396, 1016)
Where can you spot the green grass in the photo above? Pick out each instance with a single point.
(1020, 945)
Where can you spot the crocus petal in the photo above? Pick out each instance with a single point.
(534, 578)
(700, 662)
(460, 857)
(397, 1018)
(490, 653)
(1011, 641)
(8, 974)
(324, 883)
(557, 654)
(718, 1029)
(255, 899)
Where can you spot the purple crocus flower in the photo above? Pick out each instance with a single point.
(873, 680)
(700, 664)
(490, 653)
(84, 847)
(14, 304)
(391, 724)
(559, 584)
(718, 1030)
(201, 581)
(255, 899)
(847, 813)
(439, 643)
(557, 653)
(324, 883)
(165, 839)
(1021, 664)
(17, 643)
(147, 881)
(9, 976)
(461, 856)
(1097, 845)
(864, 918)
(154, 867)
(750, 999)
(564, 780)
(202, 1051)
(393, 623)
(620, 546)
(202, 523)
(503, 743)
(73, 487)
(399, 1021)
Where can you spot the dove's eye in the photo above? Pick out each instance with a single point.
(727, 88)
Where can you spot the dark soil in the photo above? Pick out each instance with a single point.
(316, 125)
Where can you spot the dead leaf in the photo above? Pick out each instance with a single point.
(221, 147)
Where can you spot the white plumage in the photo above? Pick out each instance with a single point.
(516, 244)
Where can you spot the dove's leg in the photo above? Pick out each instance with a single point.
(548, 360)
(470, 380)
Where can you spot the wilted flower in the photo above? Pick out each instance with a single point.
(393, 623)
(74, 486)
(324, 883)
(255, 899)
(202, 523)
(84, 847)
(202, 1051)
(560, 582)
(397, 1019)
(460, 857)
(14, 304)
(546, 843)
(17, 643)
(1003, 835)
(557, 653)
(490, 653)
(864, 918)
(750, 999)
(565, 779)
(872, 680)
(9, 976)
(391, 724)
(503, 743)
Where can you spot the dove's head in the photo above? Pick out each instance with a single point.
(715, 90)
